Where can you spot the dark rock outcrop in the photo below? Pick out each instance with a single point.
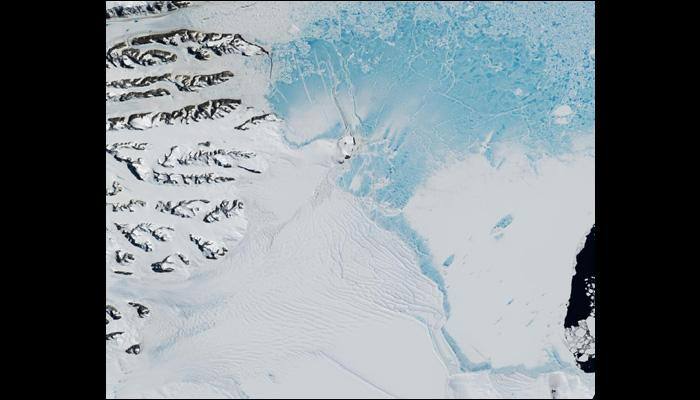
(166, 161)
(256, 120)
(137, 95)
(189, 179)
(142, 310)
(116, 188)
(113, 312)
(112, 335)
(116, 207)
(134, 235)
(138, 82)
(255, 171)
(149, 8)
(166, 264)
(204, 43)
(219, 157)
(183, 258)
(135, 166)
(211, 109)
(208, 248)
(184, 83)
(225, 209)
(123, 257)
(182, 209)
(122, 56)
(188, 83)
(163, 265)
(114, 147)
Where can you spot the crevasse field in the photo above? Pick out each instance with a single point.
(402, 191)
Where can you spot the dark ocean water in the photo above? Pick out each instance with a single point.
(581, 303)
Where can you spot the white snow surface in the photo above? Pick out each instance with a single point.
(508, 293)
(314, 299)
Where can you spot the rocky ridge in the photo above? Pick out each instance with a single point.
(146, 8)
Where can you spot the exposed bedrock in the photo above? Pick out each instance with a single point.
(116, 188)
(138, 82)
(209, 249)
(135, 166)
(137, 235)
(167, 264)
(203, 43)
(122, 56)
(226, 209)
(164, 178)
(142, 310)
(146, 8)
(346, 147)
(188, 83)
(183, 208)
(167, 160)
(113, 335)
(163, 266)
(256, 120)
(211, 109)
(124, 257)
(184, 83)
(219, 157)
(130, 206)
(113, 312)
(137, 95)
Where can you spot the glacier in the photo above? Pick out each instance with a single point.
(415, 180)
